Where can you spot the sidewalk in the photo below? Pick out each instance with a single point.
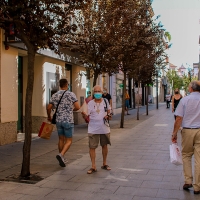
(139, 158)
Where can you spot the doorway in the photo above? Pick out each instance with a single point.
(20, 95)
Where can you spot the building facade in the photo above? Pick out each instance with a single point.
(48, 69)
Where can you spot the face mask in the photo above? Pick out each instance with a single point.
(176, 92)
(97, 95)
(104, 92)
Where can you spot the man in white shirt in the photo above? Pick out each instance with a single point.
(168, 99)
(188, 116)
(98, 127)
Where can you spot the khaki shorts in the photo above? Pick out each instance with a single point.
(94, 140)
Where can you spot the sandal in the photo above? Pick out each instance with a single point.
(91, 171)
(106, 167)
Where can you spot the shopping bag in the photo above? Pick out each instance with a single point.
(175, 154)
(45, 130)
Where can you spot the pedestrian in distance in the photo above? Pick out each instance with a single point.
(127, 97)
(98, 127)
(175, 100)
(89, 97)
(107, 96)
(188, 116)
(168, 99)
(64, 118)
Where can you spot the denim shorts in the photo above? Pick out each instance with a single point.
(66, 129)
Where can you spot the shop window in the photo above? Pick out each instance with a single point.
(52, 85)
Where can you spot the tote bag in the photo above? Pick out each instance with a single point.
(45, 130)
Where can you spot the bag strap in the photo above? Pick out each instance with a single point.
(105, 100)
(105, 103)
(60, 100)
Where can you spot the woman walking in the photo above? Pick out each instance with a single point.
(175, 100)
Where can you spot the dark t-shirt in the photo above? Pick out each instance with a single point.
(107, 96)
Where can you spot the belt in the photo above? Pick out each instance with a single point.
(190, 128)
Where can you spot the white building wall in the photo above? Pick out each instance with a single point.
(78, 81)
(42, 66)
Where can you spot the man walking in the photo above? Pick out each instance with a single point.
(98, 127)
(64, 118)
(168, 99)
(107, 96)
(188, 116)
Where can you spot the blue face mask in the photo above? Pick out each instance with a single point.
(97, 95)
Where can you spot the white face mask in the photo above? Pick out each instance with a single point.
(104, 91)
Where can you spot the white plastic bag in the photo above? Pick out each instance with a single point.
(175, 154)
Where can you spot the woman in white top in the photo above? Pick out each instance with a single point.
(98, 127)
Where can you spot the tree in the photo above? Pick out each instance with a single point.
(92, 38)
(38, 24)
(137, 43)
(117, 36)
(175, 80)
(187, 79)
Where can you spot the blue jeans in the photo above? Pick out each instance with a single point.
(127, 103)
(65, 129)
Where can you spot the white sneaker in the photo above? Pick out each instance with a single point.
(65, 160)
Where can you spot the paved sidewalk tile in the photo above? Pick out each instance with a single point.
(138, 156)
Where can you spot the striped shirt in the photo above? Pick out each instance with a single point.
(189, 109)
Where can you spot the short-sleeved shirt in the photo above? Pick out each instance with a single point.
(168, 97)
(189, 109)
(96, 124)
(107, 96)
(65, 108)
(127, 96)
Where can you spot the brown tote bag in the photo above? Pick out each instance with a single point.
(45, 130)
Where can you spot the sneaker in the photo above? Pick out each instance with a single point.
(65, 160)
(61, 160)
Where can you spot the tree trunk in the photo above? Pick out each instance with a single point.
(95, 78)
(123, 102)
(157, 91)
(25, 170)
(138, 101)
(134, 94)
(147, 105)
(143, 95)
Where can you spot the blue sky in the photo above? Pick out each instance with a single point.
(181, 19)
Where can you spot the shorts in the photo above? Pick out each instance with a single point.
(94, 140)
(65, 129)
(127, 103)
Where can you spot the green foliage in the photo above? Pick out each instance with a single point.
(168, 35)
(186, 81)
(175, 80)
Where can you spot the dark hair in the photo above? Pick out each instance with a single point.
(63, 82)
